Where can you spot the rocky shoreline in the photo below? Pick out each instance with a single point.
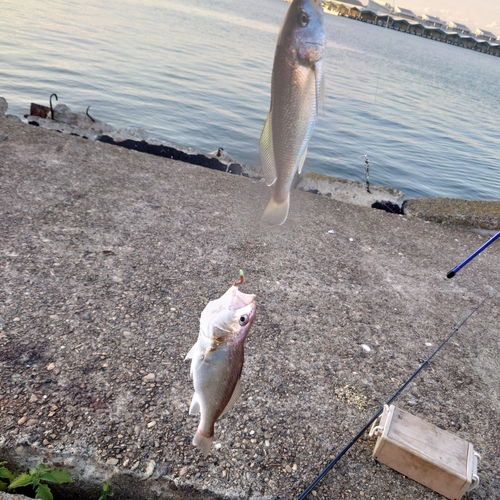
(482, 216)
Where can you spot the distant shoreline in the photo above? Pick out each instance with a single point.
(414, 27)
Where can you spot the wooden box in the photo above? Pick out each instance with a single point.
(431, 456)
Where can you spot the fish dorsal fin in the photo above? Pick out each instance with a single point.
(234, 398)
(194, 409)
(267, 152)
(301, 161)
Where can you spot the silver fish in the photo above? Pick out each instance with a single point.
(217, 360)
(296, 91)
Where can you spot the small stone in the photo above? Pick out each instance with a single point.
(288, 469)
(22, 420)
(365, 348)
(51, 366)
(149, 377)
(218, 446)
(149, 470)
(135, 465)
(45, 442)
(33, 399)
(126, 462)
(111, 461)
(350, 239)
(151, 424)
(183, 471)
(54, 316)
(127, 333)
(32, 421)
(428, 344)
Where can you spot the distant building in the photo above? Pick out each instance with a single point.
(459, 28)
(379, 7)
(433, 21)
(353, 3)
(485, 35)
(406, 13)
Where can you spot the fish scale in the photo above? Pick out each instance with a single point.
(296, 89)
(217, 360)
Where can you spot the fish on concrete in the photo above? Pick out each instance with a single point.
(296, 92)
(217, 360)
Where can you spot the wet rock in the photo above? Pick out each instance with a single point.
(3, 106)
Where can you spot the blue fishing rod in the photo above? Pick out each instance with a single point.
(475, 254)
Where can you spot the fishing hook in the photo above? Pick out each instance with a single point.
(87, 113)
(241, 280)
(50, 102)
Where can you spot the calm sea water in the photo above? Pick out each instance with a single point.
(197, 73)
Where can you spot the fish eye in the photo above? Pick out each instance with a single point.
(244, 319)
(303, 19)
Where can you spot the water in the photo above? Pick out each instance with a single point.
(197, 73)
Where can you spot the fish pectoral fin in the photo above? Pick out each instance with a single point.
(194, 408)
(234, 398)
(320, 85)
(301, 161)
(191, 352)
(267, 152)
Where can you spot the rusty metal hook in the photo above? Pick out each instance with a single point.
(51, 108)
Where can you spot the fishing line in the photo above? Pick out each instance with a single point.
(370, 131)
(393, 398)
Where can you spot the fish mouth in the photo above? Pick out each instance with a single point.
(310, 52)
(239, 299)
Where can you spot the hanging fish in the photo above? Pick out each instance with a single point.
(217, 360)
(296, 91)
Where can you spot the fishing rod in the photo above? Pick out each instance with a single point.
(475, 254)
(400, 390)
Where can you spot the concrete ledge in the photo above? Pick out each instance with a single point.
(108, 257)
(455, 212)
(347, 191)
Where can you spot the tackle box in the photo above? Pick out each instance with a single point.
(421, 451)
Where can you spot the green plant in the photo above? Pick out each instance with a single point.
(5, 474)
(35, 478)
(106, 492)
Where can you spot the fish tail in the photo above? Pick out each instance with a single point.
(276, 212)
(203, 442)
